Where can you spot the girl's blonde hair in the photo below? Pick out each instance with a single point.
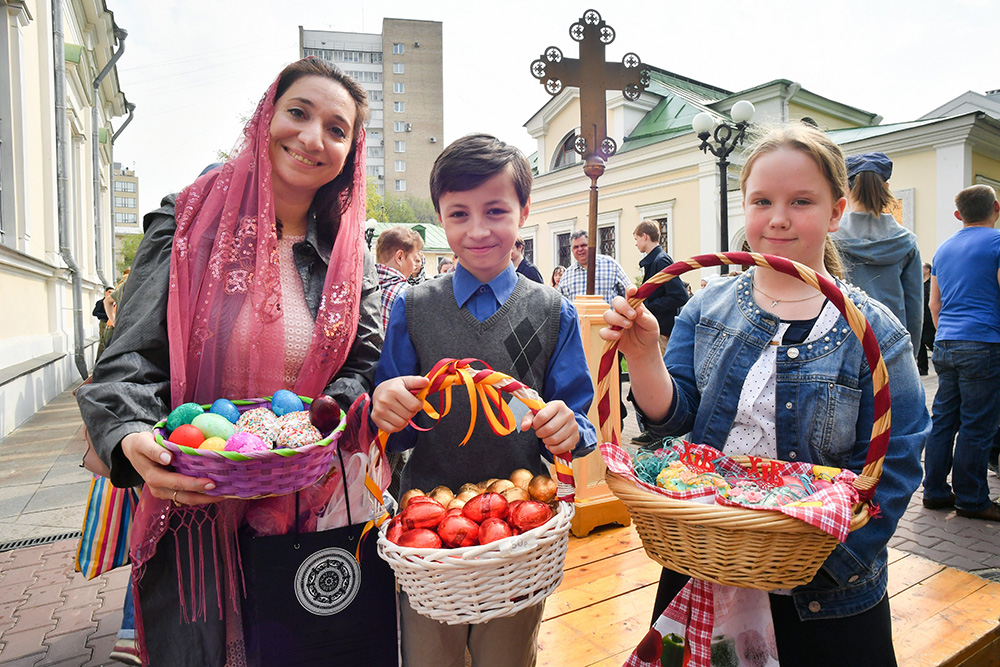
(824, 152)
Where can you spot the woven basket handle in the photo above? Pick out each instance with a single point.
(486, 384)
(879, 442)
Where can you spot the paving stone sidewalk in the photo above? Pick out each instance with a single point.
(52, 616)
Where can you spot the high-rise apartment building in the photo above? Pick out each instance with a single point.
(402, 72)
(125, 205)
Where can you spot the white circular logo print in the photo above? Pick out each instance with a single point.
(328, 581)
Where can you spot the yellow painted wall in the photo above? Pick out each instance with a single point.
(825, 122)
(28, 298)
(919, 171)
(985, 166)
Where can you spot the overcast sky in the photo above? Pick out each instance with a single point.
(193, 68)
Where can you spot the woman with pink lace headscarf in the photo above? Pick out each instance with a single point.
(254, 278)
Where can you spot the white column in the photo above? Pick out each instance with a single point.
(954, 173)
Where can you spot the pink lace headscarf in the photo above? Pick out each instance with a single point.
(225, 252)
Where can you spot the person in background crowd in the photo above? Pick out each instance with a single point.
(523, 266)
(418, 276)
(557, 274)
(928, 331)
(397, 252)
(610, 279)
(664, 302)
(444, 267)
(880, 255)
(102, 319)
(965, 305)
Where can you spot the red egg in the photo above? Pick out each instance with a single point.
(420, 538)
(187, 436)
(394, 530)
(458, 531)
(531, 514)
(485, 506)
(492, 530)
(422, 514)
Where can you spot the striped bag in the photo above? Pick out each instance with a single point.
(106, 527)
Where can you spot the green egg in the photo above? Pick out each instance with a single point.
(183, 414)
(213, 425)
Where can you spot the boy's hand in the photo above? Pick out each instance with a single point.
(640, 332)
(393, 402)
(556, 425)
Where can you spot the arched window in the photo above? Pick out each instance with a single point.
(566, 154)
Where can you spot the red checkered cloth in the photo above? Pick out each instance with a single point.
(691, 615)
(829, 509)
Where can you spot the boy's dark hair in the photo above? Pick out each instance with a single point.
(975, 203)
(649, 229)
(474, 159)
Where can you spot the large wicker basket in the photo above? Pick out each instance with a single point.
(477, 584)
(762, 549)
(252, 475)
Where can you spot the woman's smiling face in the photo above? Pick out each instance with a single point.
(312, 133)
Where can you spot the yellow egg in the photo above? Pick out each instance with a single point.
(214, 444)
(821, 472)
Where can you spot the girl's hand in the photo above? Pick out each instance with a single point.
(640, 332)
(393, 402)
(150, 460)
(556, 425)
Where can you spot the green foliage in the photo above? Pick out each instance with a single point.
(389, 208)
(127, 245)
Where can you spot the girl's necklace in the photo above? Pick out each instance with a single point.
(775, 302)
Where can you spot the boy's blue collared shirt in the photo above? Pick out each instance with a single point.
(566, 378)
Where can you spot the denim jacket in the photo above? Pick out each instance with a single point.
(824, 413)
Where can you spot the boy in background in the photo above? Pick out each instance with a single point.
(398, 255)
(480, 188)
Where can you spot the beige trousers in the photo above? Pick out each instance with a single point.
(511, 641)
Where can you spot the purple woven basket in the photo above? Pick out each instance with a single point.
(275, 472)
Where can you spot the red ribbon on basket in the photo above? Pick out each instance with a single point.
(488, 385)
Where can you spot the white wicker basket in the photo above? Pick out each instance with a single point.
(478, 584)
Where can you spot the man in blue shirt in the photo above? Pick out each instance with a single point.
(965, 305)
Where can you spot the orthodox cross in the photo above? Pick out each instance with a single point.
(592, 75)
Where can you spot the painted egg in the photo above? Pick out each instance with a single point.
(246, 442)
(183, 414)
(285, 401)
(214, 444)
(187, 435)
(226, 408)
(213, 425)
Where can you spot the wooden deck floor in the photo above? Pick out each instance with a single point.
(941, 616)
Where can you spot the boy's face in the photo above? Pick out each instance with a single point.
(642, 242)
(481, 225)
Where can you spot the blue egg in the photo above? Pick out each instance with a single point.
(285, 401)
(226, 408)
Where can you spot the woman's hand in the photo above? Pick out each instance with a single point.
(150, 460)
(556, 425)
(393, 402)
(640, 332)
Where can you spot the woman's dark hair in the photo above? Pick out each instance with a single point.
(332, 199)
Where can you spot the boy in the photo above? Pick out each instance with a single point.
(965, 306)
(398, 255)
(480, 188)
(664, 303)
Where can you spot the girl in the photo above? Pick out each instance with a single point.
(763, 365)
(253, 279)
(881, 256)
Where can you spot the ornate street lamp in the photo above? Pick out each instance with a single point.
(370, 231)
(727, 137)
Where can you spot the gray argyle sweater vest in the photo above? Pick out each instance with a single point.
(519, 339)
